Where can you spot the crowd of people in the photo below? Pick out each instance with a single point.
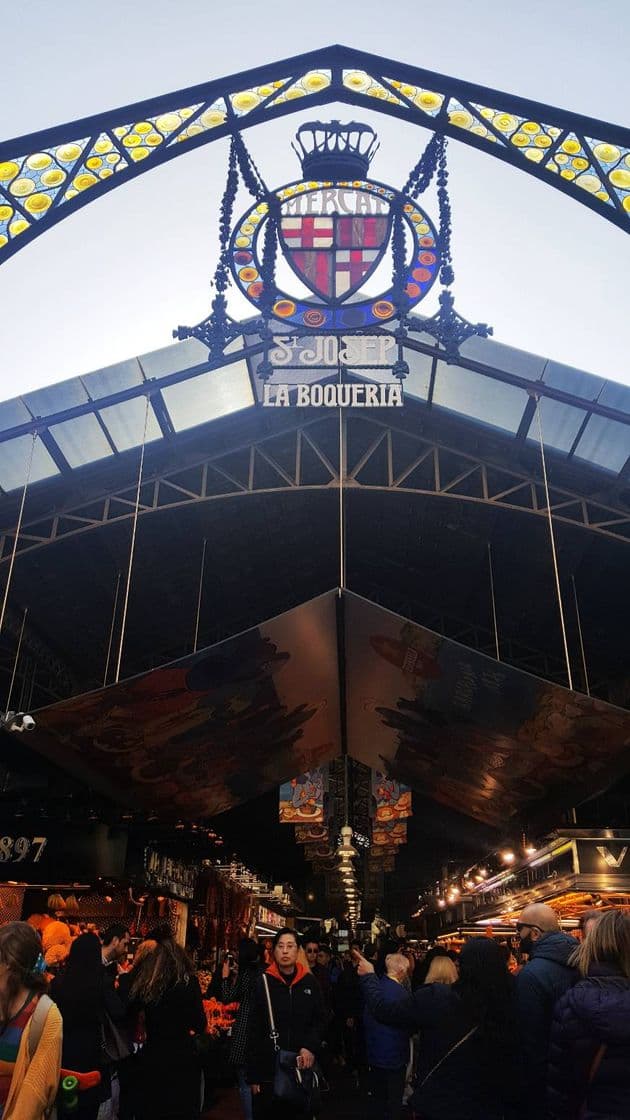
(483, 1034)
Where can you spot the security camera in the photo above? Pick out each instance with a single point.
(18, 721)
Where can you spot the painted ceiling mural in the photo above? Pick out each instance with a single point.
(215, 729)
(208, 732)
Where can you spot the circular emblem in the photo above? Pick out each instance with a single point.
(334, 235)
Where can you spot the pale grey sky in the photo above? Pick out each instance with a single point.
(113, 280)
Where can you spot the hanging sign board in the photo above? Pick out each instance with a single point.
(171, 876)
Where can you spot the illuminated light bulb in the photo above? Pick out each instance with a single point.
(441, 903)
(530, 850)
(508, 857)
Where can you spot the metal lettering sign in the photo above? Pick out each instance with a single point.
(172, 876)
(18, 849)
(613, 861)
(604, 857)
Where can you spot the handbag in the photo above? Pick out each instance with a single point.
(296, 1087)
(113, 1043)
(452, 1050)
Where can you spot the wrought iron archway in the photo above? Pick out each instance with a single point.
(48, 175)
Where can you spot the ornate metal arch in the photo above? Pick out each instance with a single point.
(297, 459)
(48, 175)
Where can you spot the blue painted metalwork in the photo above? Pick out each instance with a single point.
(48, 175)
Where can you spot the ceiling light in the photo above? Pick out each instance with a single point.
(345, 850)
(508, 856)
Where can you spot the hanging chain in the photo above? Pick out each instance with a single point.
(421, 175)
(447, 274)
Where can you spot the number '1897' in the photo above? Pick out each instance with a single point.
(15, 850)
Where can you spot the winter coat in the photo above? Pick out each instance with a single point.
(299, 1016)
(240, 991)
(476, 1081)
(169, 1075)
(590, 1042)
(387, 1047)
(347, 993)
(545, 978)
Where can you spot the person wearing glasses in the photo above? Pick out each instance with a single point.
(539, 985)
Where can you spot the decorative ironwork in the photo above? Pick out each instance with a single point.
(47, 176)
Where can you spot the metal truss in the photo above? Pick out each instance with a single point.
(48, 175)
(305, 457)
(480, 638)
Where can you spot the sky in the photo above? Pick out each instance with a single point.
(113, 280)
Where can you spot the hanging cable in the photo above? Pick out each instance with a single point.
(494, 604)
(17, 532)
(133, 542)
(199, 596)
(342, 533)
(16, 660)
(582, 650)
(111, 630)
(553, 544)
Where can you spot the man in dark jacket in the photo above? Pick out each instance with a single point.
(388, 1047)
(544, 979)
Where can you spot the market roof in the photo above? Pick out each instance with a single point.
(101, 415)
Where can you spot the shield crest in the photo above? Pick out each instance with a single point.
(333, 254)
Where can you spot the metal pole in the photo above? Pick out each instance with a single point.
(582, 650)
(17, 658)
(553, 545)
(17, 531)
(342, 531)
(494, 605)
(111, 630)
(199, 596)
(133, 543)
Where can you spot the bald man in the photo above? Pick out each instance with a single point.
(546, 976)
(388, 1047)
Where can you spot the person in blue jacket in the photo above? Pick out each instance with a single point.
(589, 1062)
(547, 975)
(467, 1056)
(387, 1047)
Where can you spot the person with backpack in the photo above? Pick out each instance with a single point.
(467, 1062)
(30, 1028)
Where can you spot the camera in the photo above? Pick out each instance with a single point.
(18, 721)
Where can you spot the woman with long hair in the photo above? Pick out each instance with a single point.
(84, 1000)
(467, 1063)
(169, 1075)
(589, 1063)
(30, 1034)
